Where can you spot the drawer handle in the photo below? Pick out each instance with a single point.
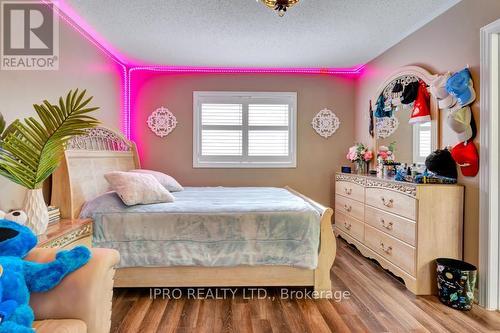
(347, 191)
(347, 226)
(347, 208)
(387, 203)
(387, 249)
(388, 226)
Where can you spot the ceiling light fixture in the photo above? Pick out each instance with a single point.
(279, 6)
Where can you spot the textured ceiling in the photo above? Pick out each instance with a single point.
(314, 33)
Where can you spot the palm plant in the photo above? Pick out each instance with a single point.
(30, 150)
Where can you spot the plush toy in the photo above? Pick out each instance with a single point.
(21, 277)
(6, 307)
(18, 216)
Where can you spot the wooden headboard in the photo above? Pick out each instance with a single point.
(80, 177)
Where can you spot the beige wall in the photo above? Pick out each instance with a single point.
(448, 43)
(81, 66)
(318, 158)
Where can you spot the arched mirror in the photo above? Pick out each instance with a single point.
(401, 120)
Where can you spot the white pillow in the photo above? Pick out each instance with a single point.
(167, 181)
(135, 188)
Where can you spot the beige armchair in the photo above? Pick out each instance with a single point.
(82, 302)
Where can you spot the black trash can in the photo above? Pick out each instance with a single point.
(456, 280)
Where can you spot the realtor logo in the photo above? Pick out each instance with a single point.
(29, 36)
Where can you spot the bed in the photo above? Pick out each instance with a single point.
(161, 245)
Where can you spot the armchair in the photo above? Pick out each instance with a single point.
(82, 302)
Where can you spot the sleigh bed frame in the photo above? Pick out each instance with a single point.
(80, 178)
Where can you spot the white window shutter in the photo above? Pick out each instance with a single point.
(235, 129)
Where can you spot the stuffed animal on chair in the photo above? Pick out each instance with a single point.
(6, 307)
(21, 277)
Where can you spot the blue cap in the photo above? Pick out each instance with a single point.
(460, 86)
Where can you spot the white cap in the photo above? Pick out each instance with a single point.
(459, 119)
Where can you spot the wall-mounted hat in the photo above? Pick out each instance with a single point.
(379, 107)
(466, 156)
(397, 92)
(421, 111)
(459, 120)
(410, 93)
(460, 85)
(438, 89)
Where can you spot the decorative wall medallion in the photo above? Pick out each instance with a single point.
(325, 123)
(384, 127)
(162, 122)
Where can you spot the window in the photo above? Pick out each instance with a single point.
(422, 141)
(244, 129)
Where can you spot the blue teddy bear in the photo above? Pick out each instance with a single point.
(21, 277)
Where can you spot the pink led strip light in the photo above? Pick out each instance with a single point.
(249, 70)
(77, 23)
(63, 14)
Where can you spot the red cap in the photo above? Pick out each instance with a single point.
(466, 156)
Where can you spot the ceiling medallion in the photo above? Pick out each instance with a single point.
(280, 6)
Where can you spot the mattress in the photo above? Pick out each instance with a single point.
(210, 226)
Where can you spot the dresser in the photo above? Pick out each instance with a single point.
(403, 226)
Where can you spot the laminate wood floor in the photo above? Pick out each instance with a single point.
(378, 303)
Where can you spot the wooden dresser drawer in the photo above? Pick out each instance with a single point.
(350, 207)
(350, 226)
(391, 224)
(350, 190)
(397, 252)
(391, 201)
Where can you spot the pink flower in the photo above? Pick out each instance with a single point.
(352, 155)
(368, 155)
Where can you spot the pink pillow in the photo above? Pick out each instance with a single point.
(136, 188)
(167, 181)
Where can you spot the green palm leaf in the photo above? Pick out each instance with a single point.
(30, 151)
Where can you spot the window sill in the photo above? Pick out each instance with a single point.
(246, 165)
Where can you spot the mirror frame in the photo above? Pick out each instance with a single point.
(425, 76)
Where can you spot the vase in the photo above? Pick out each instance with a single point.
(36, 209)
(360, 167)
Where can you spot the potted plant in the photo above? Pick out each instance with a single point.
(360, 155)
(30, 150)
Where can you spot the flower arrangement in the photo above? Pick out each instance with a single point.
(359, 152)
(360, 155)
(386, 153)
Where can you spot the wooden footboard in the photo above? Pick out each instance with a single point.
(241, 276)
(327, 249)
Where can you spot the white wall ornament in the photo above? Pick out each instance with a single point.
(325, 123)
(162, 122)
(386, 126)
